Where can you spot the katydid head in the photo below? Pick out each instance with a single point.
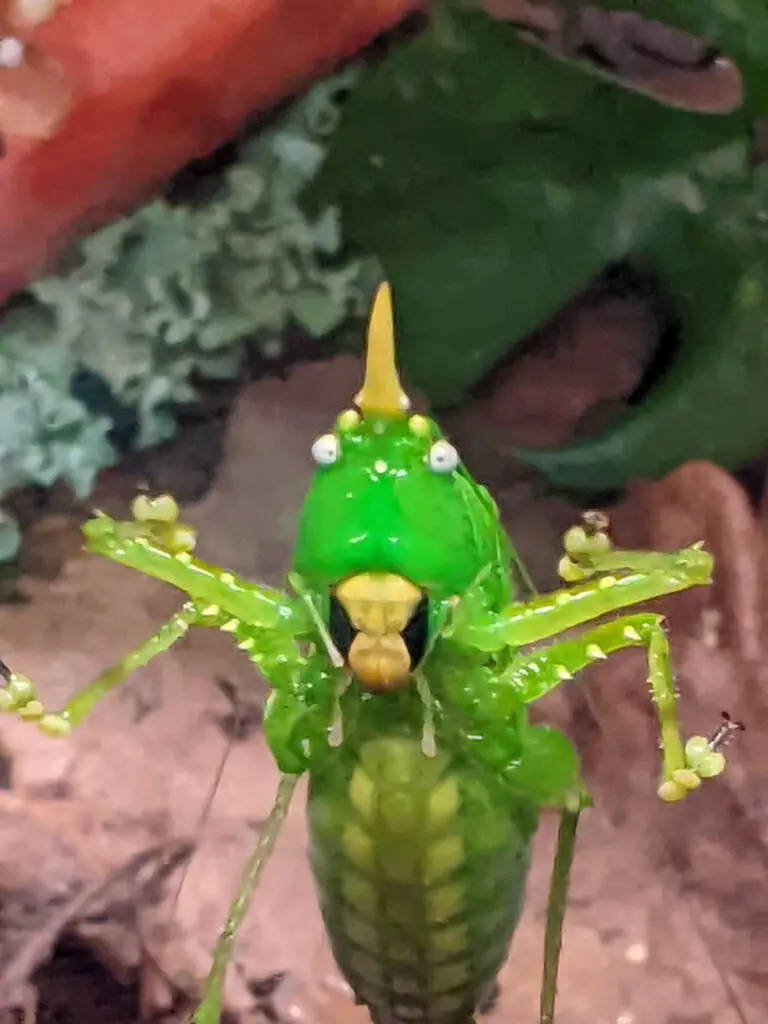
(393, 525)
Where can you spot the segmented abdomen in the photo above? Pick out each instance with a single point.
(420, 865)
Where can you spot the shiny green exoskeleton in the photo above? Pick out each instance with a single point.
(400, 668)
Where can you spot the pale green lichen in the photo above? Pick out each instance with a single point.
(169, 292)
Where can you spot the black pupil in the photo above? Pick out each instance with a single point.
(415, 633)
(340, 628)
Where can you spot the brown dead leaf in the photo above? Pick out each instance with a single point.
(645, 56)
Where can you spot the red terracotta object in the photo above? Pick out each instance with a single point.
(114, 96)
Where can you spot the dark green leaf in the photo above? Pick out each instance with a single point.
(493, 182)
(711, 403)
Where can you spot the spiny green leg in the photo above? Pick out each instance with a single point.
(273, 652)
(557, 901)
(646, 575)
(589, 551)
(535, 674)
(18, 696)
(209, 1011)
(608, 579)
(156, 544)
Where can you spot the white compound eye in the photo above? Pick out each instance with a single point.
(325, 450)
(442, 457)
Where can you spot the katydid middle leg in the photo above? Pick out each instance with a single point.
(565, 848)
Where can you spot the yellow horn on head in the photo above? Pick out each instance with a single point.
(382, 393)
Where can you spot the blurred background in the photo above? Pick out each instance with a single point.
(195, 207)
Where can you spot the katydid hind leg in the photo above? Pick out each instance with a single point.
(209, 1010)
(235, 730)
(556, 906)
(201, 823)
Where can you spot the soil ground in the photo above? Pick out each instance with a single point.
(665, 924)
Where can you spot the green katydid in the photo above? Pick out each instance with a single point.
(400, 662)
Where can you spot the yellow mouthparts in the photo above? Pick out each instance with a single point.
(379, 607)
